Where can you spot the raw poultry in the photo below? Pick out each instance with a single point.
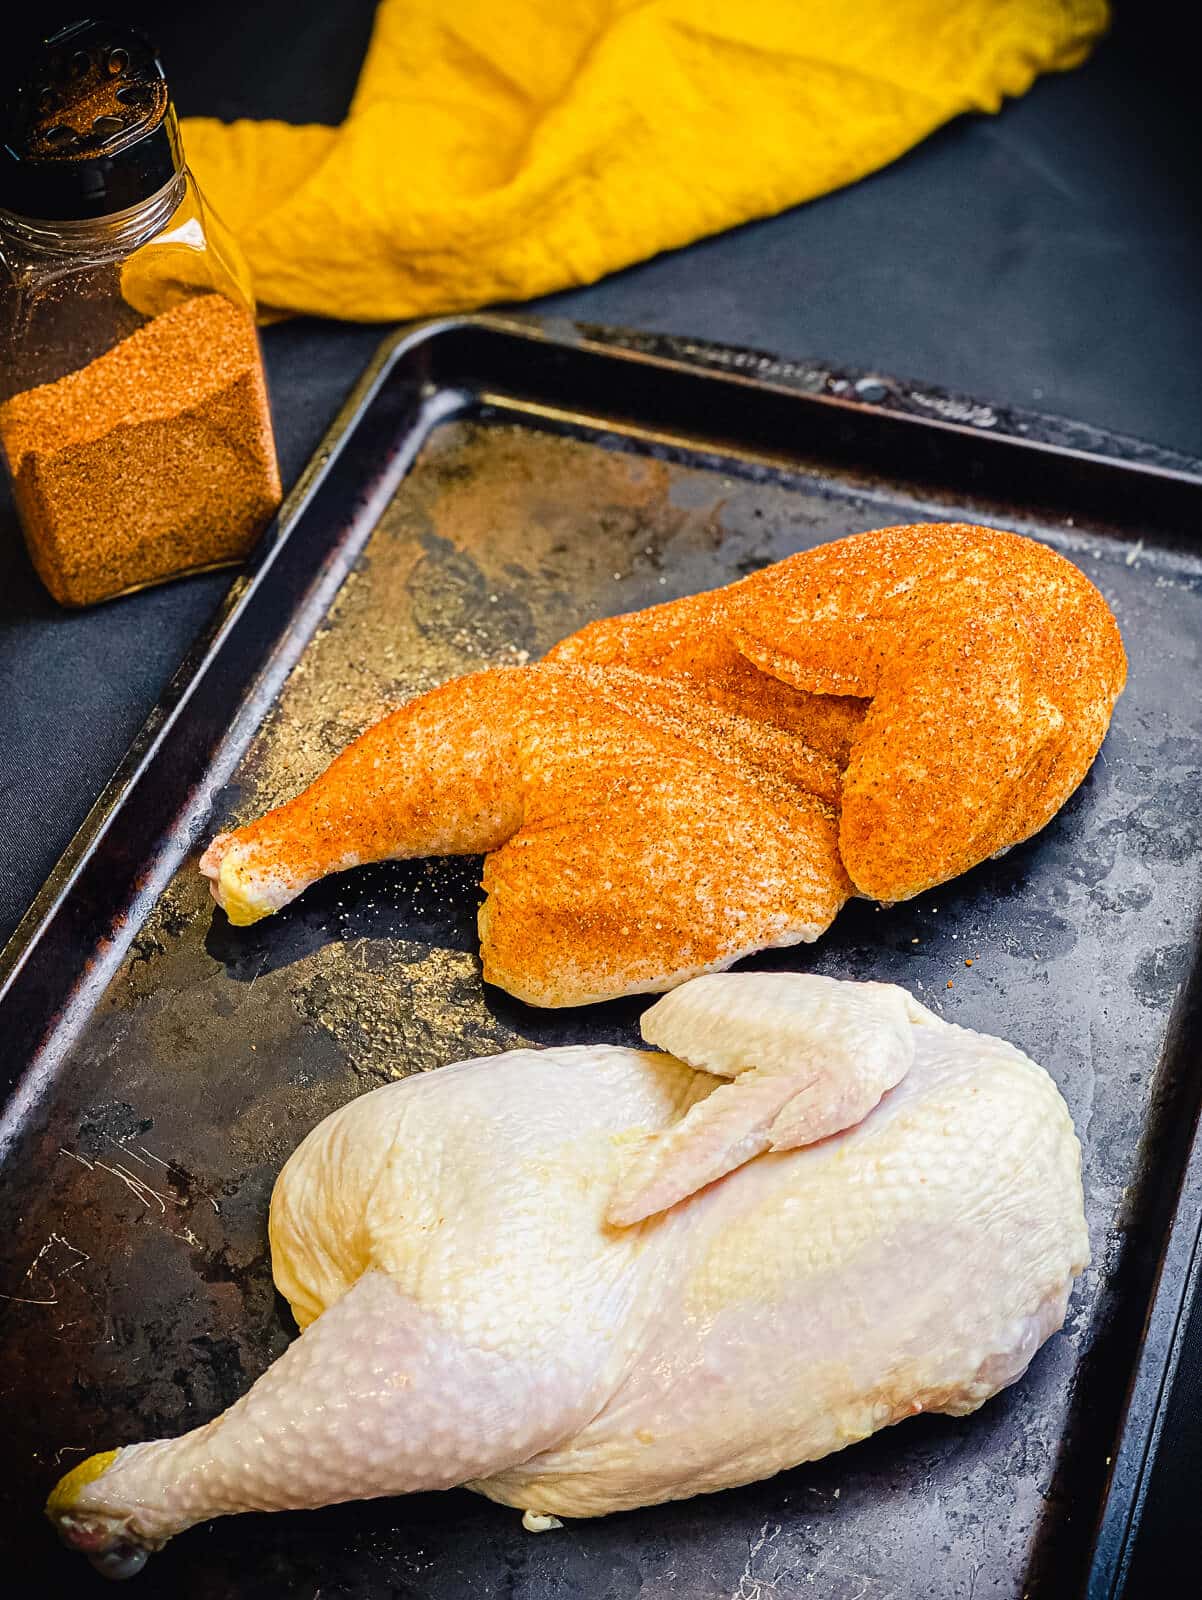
(472, 1317)
(674, 789)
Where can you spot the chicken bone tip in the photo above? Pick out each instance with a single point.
(539, 1522)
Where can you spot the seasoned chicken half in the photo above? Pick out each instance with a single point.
(471, 1317)
(674, 789)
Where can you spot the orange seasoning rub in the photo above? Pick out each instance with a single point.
(156, 458)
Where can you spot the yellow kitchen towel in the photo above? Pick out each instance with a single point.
(498, 149)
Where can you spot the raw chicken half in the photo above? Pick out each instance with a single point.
(471, 1317)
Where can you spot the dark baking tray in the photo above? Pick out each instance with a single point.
(491, 485)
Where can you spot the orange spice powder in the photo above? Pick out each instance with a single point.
(157, 458)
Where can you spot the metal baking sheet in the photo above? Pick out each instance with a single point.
(491, 486)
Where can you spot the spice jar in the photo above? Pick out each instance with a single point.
(133, 410)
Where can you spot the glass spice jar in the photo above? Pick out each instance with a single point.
(133, 410)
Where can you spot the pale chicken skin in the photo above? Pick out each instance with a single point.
(470, 1317)
(674, 789)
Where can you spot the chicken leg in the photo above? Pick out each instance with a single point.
(622, 816)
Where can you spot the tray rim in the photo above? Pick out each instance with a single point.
(806, 381)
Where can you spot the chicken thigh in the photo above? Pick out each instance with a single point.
(471, 1317)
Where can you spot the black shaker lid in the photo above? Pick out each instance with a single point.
(88, 128)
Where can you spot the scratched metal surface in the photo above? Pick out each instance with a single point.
(138, 1298)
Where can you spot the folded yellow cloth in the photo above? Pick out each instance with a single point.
(497, 149)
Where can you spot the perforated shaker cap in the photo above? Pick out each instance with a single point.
(89, 128)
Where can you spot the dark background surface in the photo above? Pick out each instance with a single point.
(1049, 257)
